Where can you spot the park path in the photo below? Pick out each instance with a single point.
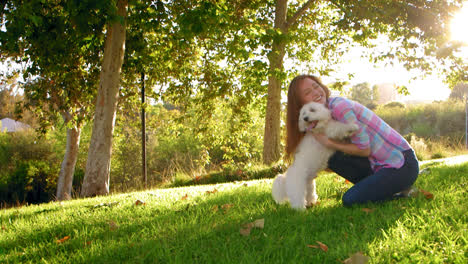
(448, 161)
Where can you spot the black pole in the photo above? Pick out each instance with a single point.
(143, 130)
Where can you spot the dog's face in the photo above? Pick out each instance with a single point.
(310, 114)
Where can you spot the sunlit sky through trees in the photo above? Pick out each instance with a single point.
(422, 88)
(427, 89)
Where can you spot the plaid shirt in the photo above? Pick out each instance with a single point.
(385, 143)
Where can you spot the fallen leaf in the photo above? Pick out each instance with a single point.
(4, 228)
(139, 202)
(113, 225)
(367, 210)
(211, 192)
(226, 207)
(60, 241)
(320, 245)
(357, 258)
(215, 208)
(259, 223)
(184, 197)
(245, 231)
(88, 243)
(197, 178)
(427, 194)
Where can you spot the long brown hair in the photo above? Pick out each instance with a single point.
(293, 135)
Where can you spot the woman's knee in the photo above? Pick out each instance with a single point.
(348, 199)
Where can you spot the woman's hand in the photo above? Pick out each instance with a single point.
(348, 148)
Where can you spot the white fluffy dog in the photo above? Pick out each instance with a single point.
(298, 183)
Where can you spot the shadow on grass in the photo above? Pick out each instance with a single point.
(194, 232)
(233, 175)
(199, 230)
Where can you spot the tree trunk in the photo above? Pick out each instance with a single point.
(143, 132)
(65, 180)
(272, 133)
(96, 179)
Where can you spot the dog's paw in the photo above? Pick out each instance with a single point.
(311, 201)
(278, 190)
(298, 203)
(300, 207)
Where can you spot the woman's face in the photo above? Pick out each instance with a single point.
(310, 91)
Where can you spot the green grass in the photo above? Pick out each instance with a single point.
(172, 229)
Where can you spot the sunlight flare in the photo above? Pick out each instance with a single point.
(458, 25)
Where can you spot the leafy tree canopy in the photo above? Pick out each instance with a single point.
(459, 91)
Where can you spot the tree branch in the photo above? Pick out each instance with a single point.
(298, 14)
(338, 5)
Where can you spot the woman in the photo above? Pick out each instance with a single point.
(378, 160)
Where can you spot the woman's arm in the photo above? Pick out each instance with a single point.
(343, 111)
(348, 148)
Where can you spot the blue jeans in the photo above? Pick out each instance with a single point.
(372, 186)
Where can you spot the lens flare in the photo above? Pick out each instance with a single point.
(458, 25)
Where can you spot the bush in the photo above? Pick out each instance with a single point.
(418, 144)
(191, 141)
(33, 181)
(429, 121)
(394, 104)
(29, 168)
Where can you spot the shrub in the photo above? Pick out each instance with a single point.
(29, 168)
(424, 130)
(394, 104)
(33, 181)
(191, 141)
(419, 146)
(429, 121)
(437, 155)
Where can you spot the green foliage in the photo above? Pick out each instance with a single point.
(459, 91)
(186, 141)
(438, 119)
(434, 130)
(60, 44)
(422, 129)
(178, 225)
(33, 181)
(185, 146)
(29, 167)
(394, 104)
(230, 174)
(364, 94)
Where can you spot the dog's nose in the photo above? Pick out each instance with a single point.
(306, 118)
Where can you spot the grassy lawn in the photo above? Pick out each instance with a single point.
(202, 224)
